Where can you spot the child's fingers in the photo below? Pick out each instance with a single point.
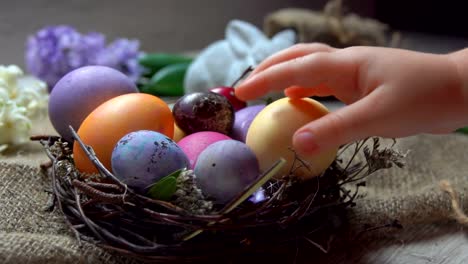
(331, 69)
(301, 92)
(296, 51)
(345, 125)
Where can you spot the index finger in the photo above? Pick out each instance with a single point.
(296, 51)
(322, 68)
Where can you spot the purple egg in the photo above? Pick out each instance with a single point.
(243, 119)
(143, 157)
(80, 91)
(225, 168)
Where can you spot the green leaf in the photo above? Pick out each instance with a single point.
(175, 173)
(165, 187)
(169, 81)
(463, 130)
(154, 62)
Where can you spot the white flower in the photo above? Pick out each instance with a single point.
(22, 99)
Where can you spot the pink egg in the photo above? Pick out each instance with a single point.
(195, 143)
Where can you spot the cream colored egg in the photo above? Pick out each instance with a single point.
(270, 135)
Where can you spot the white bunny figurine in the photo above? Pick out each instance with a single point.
(224, 61)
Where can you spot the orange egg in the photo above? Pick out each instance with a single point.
(115, 118)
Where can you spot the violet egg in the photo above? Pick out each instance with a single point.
(243, 119)
(225, 168)
(203, 111)
(195, 143)
(82, 90)
(143, 157)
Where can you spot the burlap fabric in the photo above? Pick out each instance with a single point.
(28, 234)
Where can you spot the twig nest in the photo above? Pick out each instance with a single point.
(190, 226)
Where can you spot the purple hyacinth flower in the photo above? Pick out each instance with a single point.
(122, 55)
(55, 50)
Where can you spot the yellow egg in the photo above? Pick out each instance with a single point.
(270, 135)
(178, 133)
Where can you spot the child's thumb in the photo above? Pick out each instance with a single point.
(346, 125)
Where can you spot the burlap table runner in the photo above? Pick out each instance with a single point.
(28, 234)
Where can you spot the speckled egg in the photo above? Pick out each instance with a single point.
(143, 157)
(203, 111)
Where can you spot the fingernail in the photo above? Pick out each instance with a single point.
(305, 143)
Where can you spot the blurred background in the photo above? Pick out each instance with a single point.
(178, 25)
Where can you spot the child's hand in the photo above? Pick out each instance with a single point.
(389, 92)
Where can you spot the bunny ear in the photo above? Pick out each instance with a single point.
(286, 37)
(242, 36)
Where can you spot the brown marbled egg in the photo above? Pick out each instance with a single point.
(204, 111)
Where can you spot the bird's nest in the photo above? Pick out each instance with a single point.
(113, 216)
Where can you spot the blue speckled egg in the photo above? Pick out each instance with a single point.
(143, 157)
